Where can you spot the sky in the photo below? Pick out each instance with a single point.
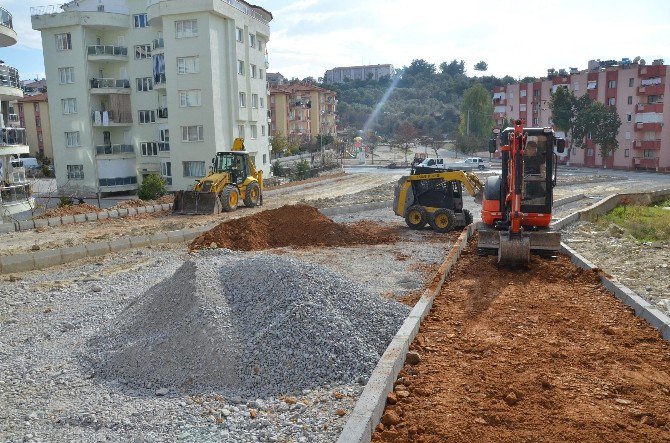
(521, 38)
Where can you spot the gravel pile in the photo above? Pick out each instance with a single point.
(253, 325)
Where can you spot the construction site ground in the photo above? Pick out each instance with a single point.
(540, 355)
(46, 317)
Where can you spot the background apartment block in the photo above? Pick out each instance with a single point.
(367, 72)
(33, 114)
(637, 92)
(141, 87)
(302, 111)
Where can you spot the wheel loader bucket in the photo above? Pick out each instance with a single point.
(196, 203)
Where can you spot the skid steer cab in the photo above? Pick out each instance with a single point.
(232, 179)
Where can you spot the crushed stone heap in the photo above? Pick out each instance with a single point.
(250, 324)
(291, 225)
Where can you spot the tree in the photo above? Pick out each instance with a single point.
(152, 187)
(453, 68)
(418, 67)
(405, 136)
(279, 143)
(481, 66)
(372, 140)
(606, 128)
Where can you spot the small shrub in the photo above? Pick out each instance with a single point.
(152, 187)
(302, 170)
(277, 169)
(64, 201)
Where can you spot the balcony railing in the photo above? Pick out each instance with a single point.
(114, 149)
(6, 18)
(646, 162)
(13, 118)
(164, 146)
(158, 43)
(648, 144)
(100, 83)
(118, 181)
(9, 76)
(98, 118)
(119, 51)
(159, 79)
(162, 112)
(12, 136)
(15, 193)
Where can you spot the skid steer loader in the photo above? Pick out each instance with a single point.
(232, 178)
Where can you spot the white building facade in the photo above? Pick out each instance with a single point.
(141, 87)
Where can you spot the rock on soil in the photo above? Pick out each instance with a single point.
(295, 225)
(254, 325)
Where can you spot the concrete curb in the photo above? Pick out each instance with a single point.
(370, 406)
(337, 210)
(566, 200)
(643, 309)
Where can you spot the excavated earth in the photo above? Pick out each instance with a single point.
(545, 354)
(292, 225)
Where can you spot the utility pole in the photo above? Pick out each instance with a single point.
(468, 124)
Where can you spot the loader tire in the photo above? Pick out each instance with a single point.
(468, 217)
(253, 195)
(230, 197)
(443, 220)
(416, 217)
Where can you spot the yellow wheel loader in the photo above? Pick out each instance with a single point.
(436, 198)
(232, 178)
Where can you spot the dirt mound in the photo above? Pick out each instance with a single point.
(84, 208)
(136, 203)
(294, 225)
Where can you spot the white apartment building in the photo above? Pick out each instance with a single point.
(372, 72)
(139, 87)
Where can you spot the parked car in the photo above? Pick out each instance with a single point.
(477, 162)
(465, 165)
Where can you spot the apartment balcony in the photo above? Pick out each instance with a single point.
(646, 162)
(158, 45)
(118, 184)
(123, 151)
(15, 198)
(109, 86)
(10, 85)
(649, 127)
(99, 119)
(89, 14)
(163, 146)
(13, 141)
(649, 107)
(162, 112)
(160, 82)
(107, 53)
(648, 144)
(7, 33)
(13, 118)
(651, 90)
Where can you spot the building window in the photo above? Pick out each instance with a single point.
(260, 45)
(240, 131)
(611, 84)
(69, 105)
(38, 122)
(190, 98)
(144, 84)
(648, 153)
(239, 34)
(611, 101)
(631, 82)
(75, 172)
(626, 153)
(511, 108)
(522, 93)
(72, 139)
(66, 75)
(188, 65)
(140, 20)
(265, 159)
(63, 42)
(186, 28)
(261, 103)
(260, 74)
(194, 169)
(142, 52)
(243, 100)
(522, 107)
(252, 40)
(40, 137)
(149, 149)
(166, 169)
(575, 86)
(254, 101)
(36, 107)
(192, 134)
(536, 122)
(252, 70)
(254, 132)
(536, 93)
(589, 152)
(262, 130)
(627, 135)
(240, 67)
(146, 117)
(592, 85)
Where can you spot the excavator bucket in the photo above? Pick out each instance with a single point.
(196, 203)
(515, 250)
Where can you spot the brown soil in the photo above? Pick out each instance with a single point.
(291, 225)
(136, 203)
(84, 208)
(307, 181)
(545, 354)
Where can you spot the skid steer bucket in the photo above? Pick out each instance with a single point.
(196, 203)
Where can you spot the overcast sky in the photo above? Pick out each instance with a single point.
(521, 38)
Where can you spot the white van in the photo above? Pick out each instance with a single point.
(26, 162)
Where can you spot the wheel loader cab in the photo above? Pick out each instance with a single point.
(235, 163)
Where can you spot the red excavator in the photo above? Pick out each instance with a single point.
(516, 207)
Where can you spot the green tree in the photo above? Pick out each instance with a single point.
(476, 119)
(453, 68)
(606, 128)
(481, 66)
(152, 187)
(279, 143)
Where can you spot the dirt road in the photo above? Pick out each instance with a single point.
(540, 355)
